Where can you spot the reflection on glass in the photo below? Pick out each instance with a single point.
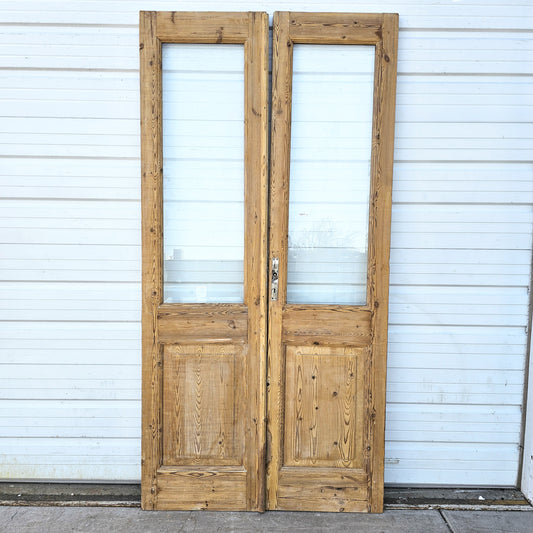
(331, 136)
(203, 173)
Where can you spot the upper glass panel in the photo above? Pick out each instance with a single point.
(203, 173)
(331, 142)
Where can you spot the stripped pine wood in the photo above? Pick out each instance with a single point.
(204, 402)
(151, 164)
(319, 393)
(256, 249)
(323, 488)
(326, 325)
(324, 387)
(203, 27)
(379, 246)
(220, 489)
(279, 216)
(203, 420)
(190, 322)
(315, 28)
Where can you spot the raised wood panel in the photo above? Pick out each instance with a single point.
(203, 411)
(326, 325)
(324, 404)
(202, 489)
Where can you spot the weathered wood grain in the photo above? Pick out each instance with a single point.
(220, 489)
(328, 504)
(336, 28)
(203, 417)
(323, 489)
(379, 245)
(210, 323)
(255, 255)
(301, 382)
(203, 27)
(151, 183)
(214, 372)
(324, 404)
(326, 325)
(279, 206)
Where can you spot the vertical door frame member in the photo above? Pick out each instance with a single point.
(251, 30)
(380, 30)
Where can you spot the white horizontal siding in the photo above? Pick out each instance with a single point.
(30, 418)
(452, 463)
(454, 423)
(70, 237)
(441, 14)
(111, 48)
(527, 467)
(66, 458)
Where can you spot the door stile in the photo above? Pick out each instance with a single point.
(379, 243)
(186, 346)
(256, 231)
(152, 254)
(279, 197)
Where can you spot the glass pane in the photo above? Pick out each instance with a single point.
(203, 173)
(331, 140)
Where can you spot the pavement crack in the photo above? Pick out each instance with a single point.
(443, 516)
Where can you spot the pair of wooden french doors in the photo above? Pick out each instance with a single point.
(265, 291)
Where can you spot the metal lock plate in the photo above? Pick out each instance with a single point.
(274, 279)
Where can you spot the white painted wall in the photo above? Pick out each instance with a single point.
(70, 237)
(527, 468)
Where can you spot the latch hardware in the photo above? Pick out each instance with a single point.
(274, 283)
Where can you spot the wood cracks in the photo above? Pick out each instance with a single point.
(226, 426)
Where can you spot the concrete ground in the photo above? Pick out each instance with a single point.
(100, 508)
(32, 519)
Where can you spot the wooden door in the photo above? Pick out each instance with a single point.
(204, 83)
(205, 442)
(331, 179)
